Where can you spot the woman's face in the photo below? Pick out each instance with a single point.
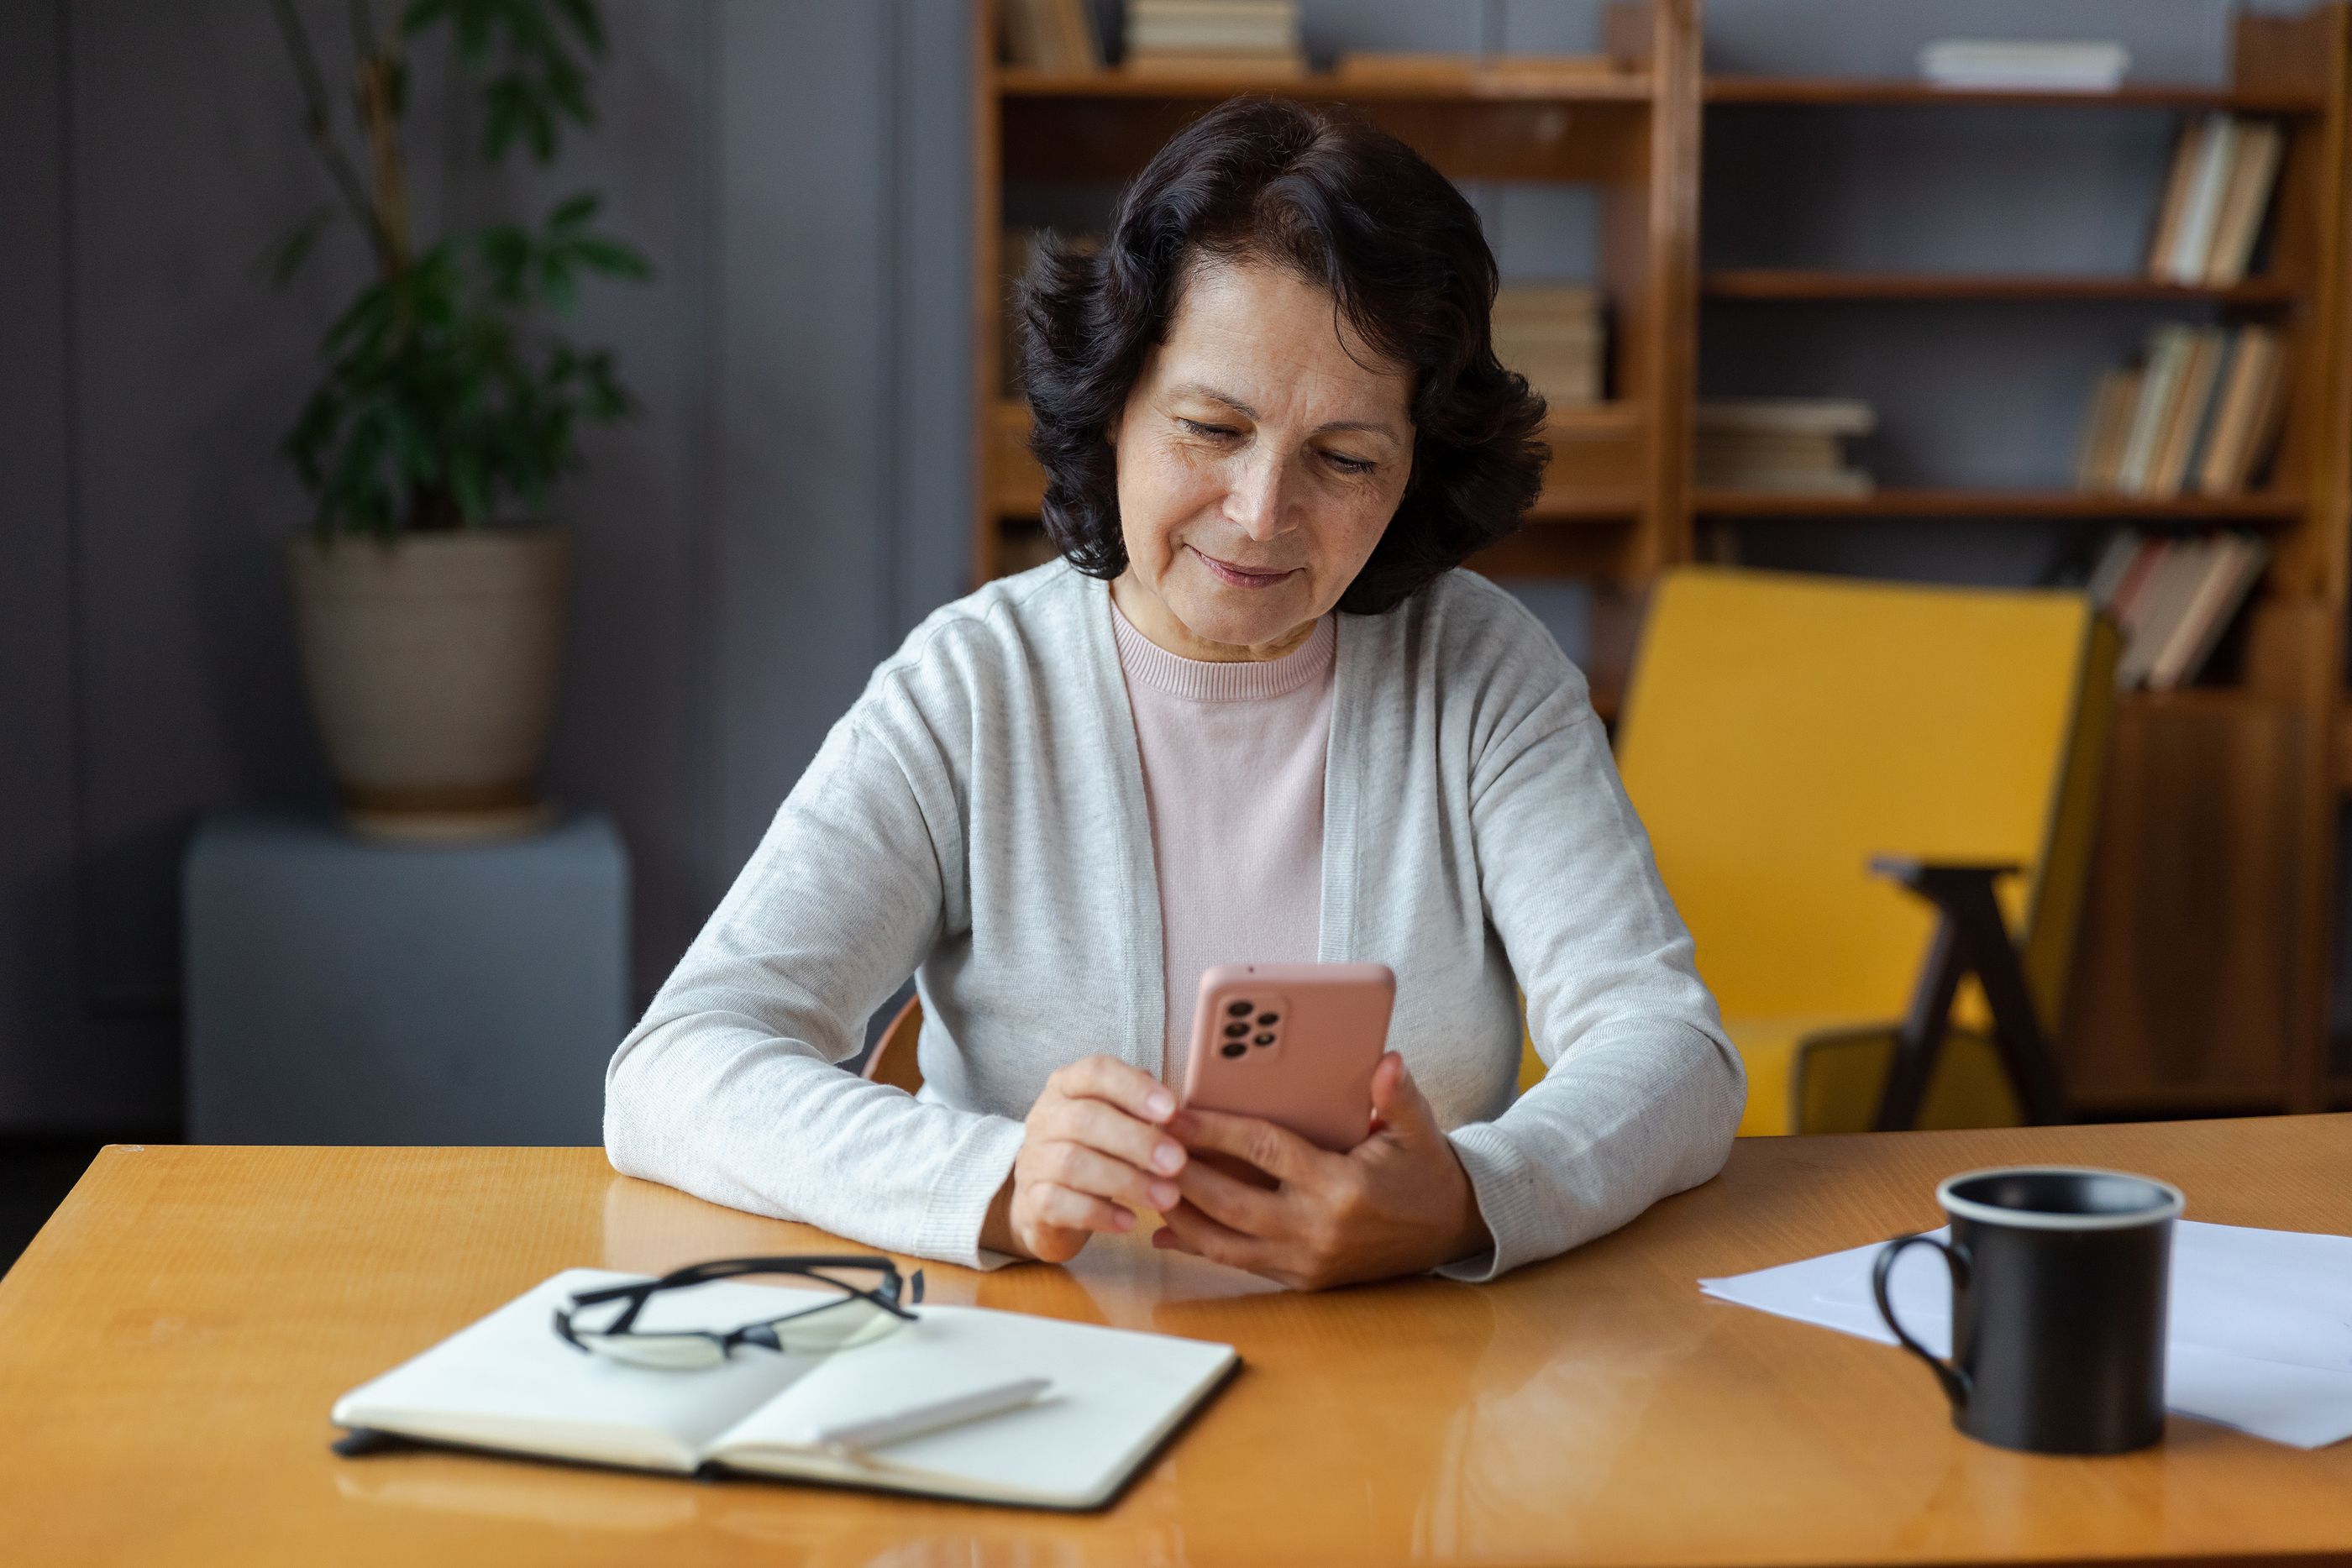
(1260, 458)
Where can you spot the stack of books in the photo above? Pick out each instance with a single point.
(2224, 173)
(1251, 38)
(2173, 597)
(2201, 407)
(2024, 65)
(1051, 35)
(1790, 445)
(1552, 334)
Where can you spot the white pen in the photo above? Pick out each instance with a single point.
(851, 1440)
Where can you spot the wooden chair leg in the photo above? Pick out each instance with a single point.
(1971, 937)
(1921, 1037)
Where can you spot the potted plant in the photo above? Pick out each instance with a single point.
(429, 588)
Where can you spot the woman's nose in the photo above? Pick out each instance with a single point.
(1254, 500)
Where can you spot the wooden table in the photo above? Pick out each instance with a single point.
(170, 1344)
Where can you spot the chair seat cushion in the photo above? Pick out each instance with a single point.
(1815, 1075)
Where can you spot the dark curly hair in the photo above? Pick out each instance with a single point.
(1347, 207)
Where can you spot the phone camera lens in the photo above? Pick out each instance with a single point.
(1265, 1039)
(1235, 1031)
(1236, 1048)
(1267, 1020)
(1240, 1010)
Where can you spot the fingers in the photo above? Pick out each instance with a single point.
(1189, 1230)
(1236, 1205)
(1110, 1131)
(1398, 1104)
(1119, 1083)
(1084, 1170)
(1066, 1208)
(1277, 1151)
(1093, 1156)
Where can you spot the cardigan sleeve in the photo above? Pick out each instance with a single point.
(730, 1088)
(1644, 1091)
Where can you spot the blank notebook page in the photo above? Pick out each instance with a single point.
(1114, 1395)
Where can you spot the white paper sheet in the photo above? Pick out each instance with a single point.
(2261, 1329)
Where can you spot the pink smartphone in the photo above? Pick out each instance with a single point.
(1294, 1044)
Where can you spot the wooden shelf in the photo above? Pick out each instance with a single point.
(1798, 283)
(2341, 748)
(2256, 509)
(1324, 86)
(1834, 91)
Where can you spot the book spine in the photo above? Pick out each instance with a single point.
(2187, 153)
(2252, 179)
(2188, 415)
(2196, 236)
(2168, 346)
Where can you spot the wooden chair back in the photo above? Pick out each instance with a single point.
(894, 1058)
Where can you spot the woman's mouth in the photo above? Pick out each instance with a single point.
(1239, 576)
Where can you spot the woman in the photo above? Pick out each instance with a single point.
(1254, 715)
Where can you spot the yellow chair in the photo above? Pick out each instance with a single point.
(1783, 731)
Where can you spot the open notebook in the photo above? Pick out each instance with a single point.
(506, 1383)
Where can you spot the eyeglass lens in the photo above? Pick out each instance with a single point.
(839, 1325)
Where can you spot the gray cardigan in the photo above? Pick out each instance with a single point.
(978, 819)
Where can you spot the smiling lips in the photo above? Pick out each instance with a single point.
(1240, 577)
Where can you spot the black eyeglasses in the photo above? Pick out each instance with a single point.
(865, 1308)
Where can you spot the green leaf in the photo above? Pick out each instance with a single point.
(475, 19)
(527, 32)
(610, 258)
(509, 99)
(581, 14)
(423, 14)
(575, 211)
(285, 258)
(556, 284)
(569, 88)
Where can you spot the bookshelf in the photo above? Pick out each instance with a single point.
(2204, 975)
(2258, 509)
(2268, 86)
(1767, 283)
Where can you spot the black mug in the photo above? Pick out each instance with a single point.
(2058, 1283)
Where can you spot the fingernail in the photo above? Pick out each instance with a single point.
(1168, 1157)
(1121, 1220)
(1161, 1102)
(1164, 1195)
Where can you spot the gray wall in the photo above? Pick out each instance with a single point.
(793, 495)
(788, 501)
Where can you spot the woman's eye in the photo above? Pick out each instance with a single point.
(1347, 465)
(1212, 431)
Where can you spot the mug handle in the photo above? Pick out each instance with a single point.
(1955, 1381)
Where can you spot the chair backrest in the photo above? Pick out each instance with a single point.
(893, 1060)
(1781, 729)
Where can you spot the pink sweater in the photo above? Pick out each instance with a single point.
(1233, 771)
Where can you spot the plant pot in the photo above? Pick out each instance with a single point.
(432, 662)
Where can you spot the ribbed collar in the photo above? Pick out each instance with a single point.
(1214, 681)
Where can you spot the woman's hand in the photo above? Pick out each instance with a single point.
(1093, 1152)
(1396, 1203)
